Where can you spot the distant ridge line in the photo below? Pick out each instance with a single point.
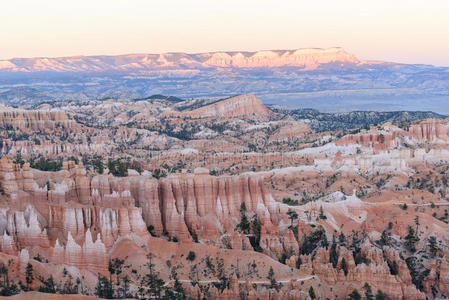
(305, 58)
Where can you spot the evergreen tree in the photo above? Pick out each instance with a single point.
(104, 288)
(221, 275)
(111, 270)
(417, 223)
(4, 273)
(322, 215)
(273, 283)
(125, 286)
(368, 292)
(333, 255)
(8, 288)
(178, 292)
(191, 256)
(433, 245)
(394, 268)
(342, 239)
(384, 239)
(354, 295)
(195, 236)
(70, 287)
(344, 266)
(49, 286)
(256, 227)
(244, 225)
(314, 240)
(292, 215)
(29, 275)
(324, 241)
(298, 263)
(116, 266)
(151, 280)
(411, 239)
(381, 296)
(312, 293)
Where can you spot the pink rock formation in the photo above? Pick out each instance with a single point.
(34, 120)
(239, 106)
(378, 141)
(429, 130)
(142, 63)
(82, 219)
(7, 177)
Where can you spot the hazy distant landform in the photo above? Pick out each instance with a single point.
(329, 80)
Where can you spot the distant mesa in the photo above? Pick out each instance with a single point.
(306, 59)
(329, 80)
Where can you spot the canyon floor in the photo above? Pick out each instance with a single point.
(165, 198)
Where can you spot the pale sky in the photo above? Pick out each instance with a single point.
(409, 31)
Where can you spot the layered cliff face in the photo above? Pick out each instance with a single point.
(427, 131)
(176, 205)
(110, 208)
(34, 120)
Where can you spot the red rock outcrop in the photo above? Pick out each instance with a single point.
(77, 209)
(8, 181)
(79, 219)
(378, 141)
(247, 106)
(429, 130)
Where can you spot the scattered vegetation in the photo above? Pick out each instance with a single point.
(46, 164)
(8, 287)
(315, 239)
(94, 162)
(119, 167)
(290, 201)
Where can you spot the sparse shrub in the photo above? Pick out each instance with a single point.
(150, 229)
(158, 173)
(191, 256)
(290, 201)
